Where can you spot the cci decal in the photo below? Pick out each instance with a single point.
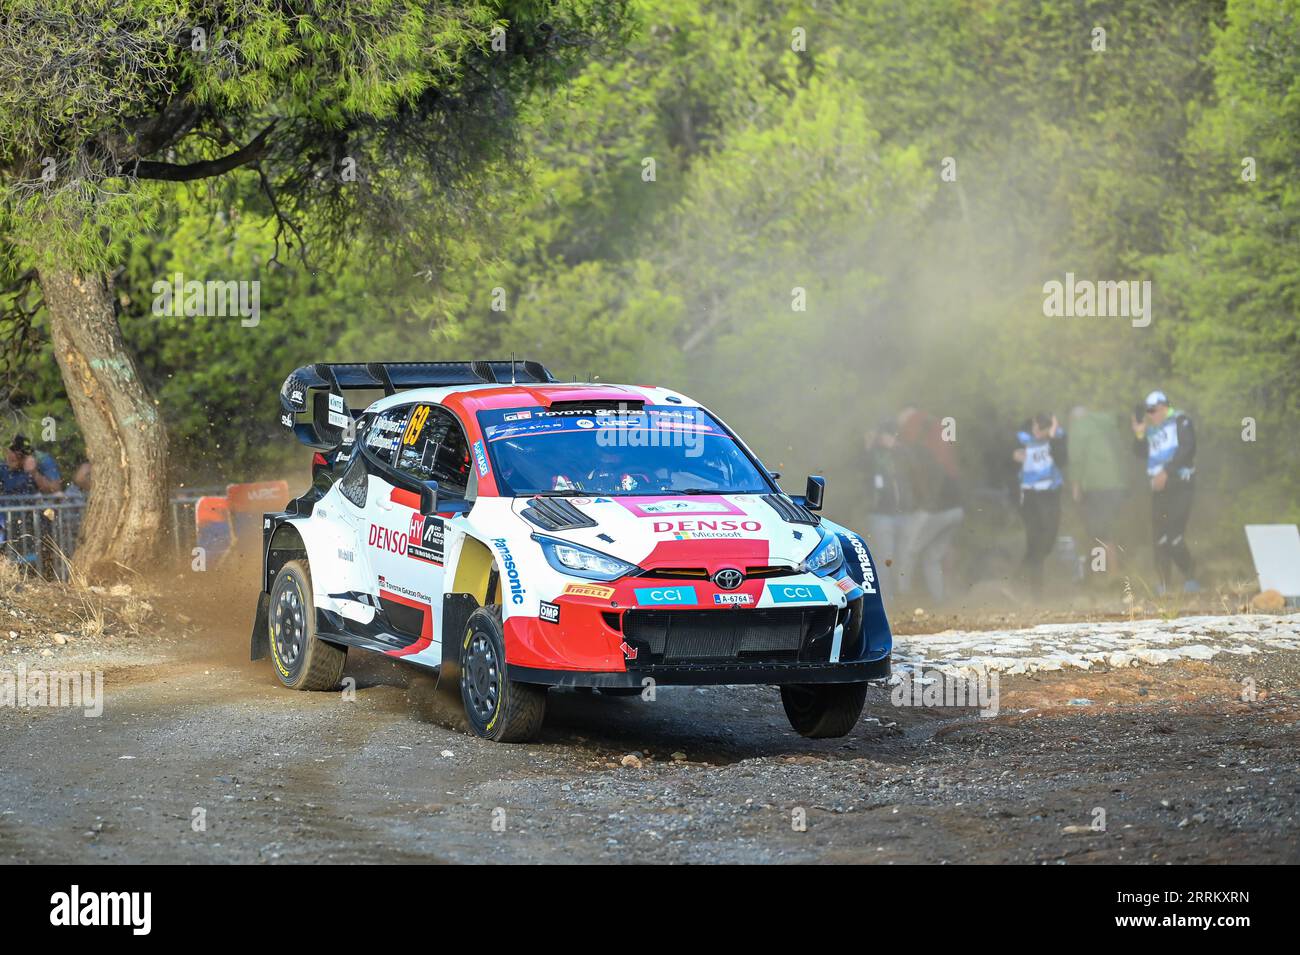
(680, 596)
(796, 593)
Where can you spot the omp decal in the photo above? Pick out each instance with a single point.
(703, 530)
(517, 589)
(796, 593)
(426, 539)
(666, 595)
(659, 507)
(590, 590)
(480, 456)
(549, 612)
(732, 599)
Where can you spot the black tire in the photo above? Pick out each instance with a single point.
(496, 707)
(825, 710)
(302, 661)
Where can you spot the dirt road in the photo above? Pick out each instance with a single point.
(1179, 767)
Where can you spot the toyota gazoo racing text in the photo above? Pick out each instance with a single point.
(516, 533)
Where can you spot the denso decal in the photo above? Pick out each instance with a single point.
(796, 593)
(704, 529)
(481, 457)
(517, 590)
(589, 590)
(864, 560)
(386, 539)
(650, 596)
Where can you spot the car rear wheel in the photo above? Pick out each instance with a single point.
(302, 660)
(825, 710)
(497, 707)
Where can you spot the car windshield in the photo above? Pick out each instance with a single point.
(616, 451)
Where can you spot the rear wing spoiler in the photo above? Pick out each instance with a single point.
(312, 403)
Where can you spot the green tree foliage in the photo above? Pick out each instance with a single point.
(801, 146)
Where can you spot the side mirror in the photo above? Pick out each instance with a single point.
(816, 490)
(429, 498)
(774, 475)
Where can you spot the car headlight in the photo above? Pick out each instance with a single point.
(579, 561)
(826, 558)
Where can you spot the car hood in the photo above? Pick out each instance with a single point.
(706, 531)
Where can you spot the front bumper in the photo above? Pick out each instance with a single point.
(710, 674)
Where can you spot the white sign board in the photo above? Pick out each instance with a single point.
(1275, 549)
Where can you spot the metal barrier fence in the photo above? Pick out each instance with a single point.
(39, 530)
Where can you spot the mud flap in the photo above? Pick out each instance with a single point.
(260, 644)
(456, 610)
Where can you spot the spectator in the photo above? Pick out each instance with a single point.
(891, 474)
(1166, 439)
(1041, 455)
(938, 499)
(1096, 476)
(27, 471)
(79, 489)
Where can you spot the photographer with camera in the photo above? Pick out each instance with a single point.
(27, 471)
(1166, 439)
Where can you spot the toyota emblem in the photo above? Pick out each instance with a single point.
(728, 578)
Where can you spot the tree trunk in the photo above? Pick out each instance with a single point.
(127, 513)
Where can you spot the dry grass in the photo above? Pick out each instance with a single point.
(11, 575)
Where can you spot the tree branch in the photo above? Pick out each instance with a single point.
(176, 172)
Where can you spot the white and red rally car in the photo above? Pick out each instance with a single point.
(518, 533)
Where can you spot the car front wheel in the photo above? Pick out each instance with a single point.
(824, 710)
(497, 707)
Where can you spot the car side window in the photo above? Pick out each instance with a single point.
(383, 435)
(433, 448)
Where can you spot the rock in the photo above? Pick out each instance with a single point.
(47, 653)
(678, 757)
(1074, 830)
(630, 762)
(60, 639)
(1270, 601)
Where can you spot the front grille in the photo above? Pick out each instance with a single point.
(720, 636)
(702, 573)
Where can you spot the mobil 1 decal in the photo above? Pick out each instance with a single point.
(425, 539)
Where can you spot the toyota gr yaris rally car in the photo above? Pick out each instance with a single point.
(517, 533)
